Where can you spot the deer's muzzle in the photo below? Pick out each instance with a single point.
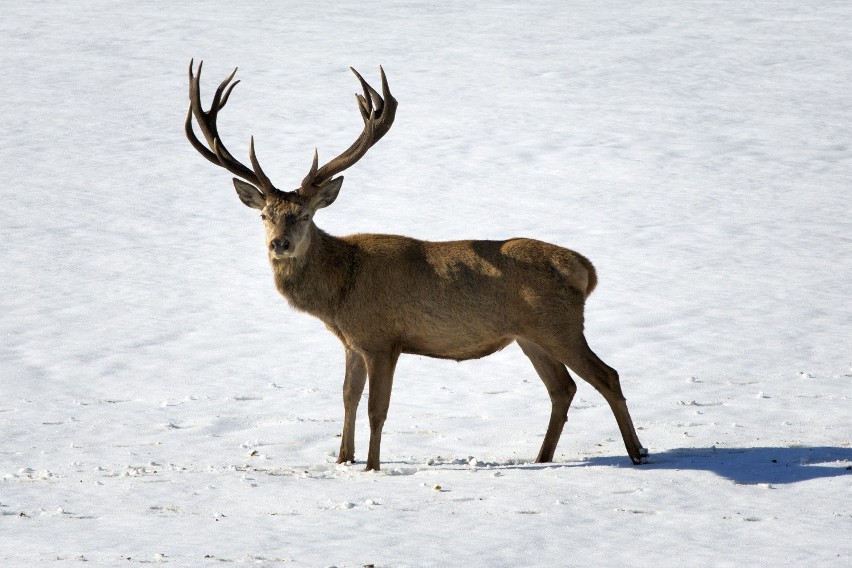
(280, 247)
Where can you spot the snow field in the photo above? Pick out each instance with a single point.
(159, 403)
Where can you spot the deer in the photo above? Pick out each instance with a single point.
(385, 295)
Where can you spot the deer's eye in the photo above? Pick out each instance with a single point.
(264, 216)
(305, 218)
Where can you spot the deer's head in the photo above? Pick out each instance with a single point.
(287, 215)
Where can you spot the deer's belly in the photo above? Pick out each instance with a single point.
(446, 348)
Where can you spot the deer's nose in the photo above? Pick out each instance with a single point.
(279, 245)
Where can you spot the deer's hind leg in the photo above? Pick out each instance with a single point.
(575, 352)
(561, 388)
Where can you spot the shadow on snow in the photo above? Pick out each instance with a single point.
(747, 466)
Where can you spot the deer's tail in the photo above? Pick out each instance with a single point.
(592, 278)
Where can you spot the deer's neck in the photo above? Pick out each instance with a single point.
(317, 282)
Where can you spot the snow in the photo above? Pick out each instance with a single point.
(162, 404)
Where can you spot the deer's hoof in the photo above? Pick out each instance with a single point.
(643, 457)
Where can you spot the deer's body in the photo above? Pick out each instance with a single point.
(452, 300)
(384, 295)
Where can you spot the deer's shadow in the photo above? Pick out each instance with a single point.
(746, 466)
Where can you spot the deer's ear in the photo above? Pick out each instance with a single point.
(326, 194)
(249, 194)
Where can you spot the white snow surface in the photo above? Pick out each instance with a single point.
(161, 403)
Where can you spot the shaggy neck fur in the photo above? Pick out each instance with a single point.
(318, 281)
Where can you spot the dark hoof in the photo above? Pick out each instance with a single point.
(643, 457)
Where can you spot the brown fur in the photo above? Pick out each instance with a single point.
(384, 295)
(455, 300)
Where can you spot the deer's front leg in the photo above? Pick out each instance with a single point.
(353, 387)
(380, 368)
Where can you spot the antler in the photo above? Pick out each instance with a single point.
(378, 114)
(216, 152)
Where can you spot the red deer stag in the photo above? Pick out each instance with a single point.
(384, 295)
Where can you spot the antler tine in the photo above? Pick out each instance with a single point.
(215, 150)
(370, 96)
(378, 112)
(385, 89)
(261, 176)
(221, 96)
(306, 182)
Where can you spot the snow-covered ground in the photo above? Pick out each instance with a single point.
(160, 403)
